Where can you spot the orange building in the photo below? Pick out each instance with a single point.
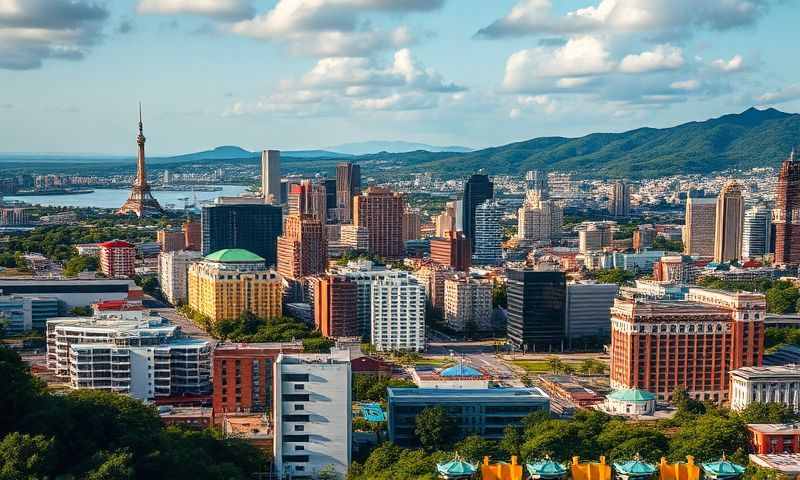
(336, 306)
(380, 210)
(170, 241)
(303, 247)
(192, 236)
(765, 438)
(452, 250)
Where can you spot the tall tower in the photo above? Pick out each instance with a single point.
(477, 190)
(786, 215)
(729, 223)
(141, 201)
(348, 185)
(620, 202)
(271, 176)
(698, 233)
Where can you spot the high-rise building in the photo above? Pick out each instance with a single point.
(348, 185)
(303, 247)
(398, 314)
(192, 235)
(364, 274)
(411, 223)
(313, 414)
(488, 234)
(141, 202)
(380, 210)
(170, 241)
(620, 203)
(468, 304)
(117, 259)
(756, 232)
(698, 231)
(452, 250)
(249, 226)
(589, 310)
(446, 221)
(146, 357)
(536, 181)
(318, 205)
(536, 309)
(173, 274)
(231, 281)
(786, 215)
(336, 306)
(432, 277)
(539, 219)
(692, 343)
(477, 190)
(643, 237)
(594, 237)
(330, 199)
(729, 223)
(271, 176)
(354, 237)
(242, 375)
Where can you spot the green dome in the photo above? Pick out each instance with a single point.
(233, 255)
(722, 468)
(546, 468)
(635, 468)
(631, 395)
(456, 468)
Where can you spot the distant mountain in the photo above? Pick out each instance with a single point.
(749, 139)
(230, 152)
(366, 148)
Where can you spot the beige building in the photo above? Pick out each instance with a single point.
(446, 221)
(467, 304)
(594, 237)
(173, 274)
(729, 223)
(539, 220)
(354, 236)
(698, 231)
(229, 282)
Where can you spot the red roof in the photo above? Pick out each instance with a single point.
(751, 264)
(115, 244)
(369, 364)
(117, 305)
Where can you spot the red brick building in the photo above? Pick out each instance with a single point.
(452, 250)
(787, 203)
(303, 247)
(242, 374)
(766, 438)
(192, 235)
(170, 241)
(381, 211)
(336, 306)
(117, 259)
(659, 345)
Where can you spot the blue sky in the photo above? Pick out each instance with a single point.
(314, 73)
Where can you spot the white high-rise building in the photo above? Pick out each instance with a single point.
(488, 234)
(173, 274)
(363, 273)
(313, 414)
(398, 314)
(271, 176)
(144, 357)
(756, 235)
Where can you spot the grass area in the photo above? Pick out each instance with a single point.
(540, 366)
(432, 362)
(13, 272)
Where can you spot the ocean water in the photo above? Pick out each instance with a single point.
(114, 198)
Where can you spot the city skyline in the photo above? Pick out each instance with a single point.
(360, 71)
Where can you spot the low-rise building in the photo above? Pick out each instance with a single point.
(588, 311)
(754, 384)
(22, 313)
(72, 292)
(766, 438)
(484, 412)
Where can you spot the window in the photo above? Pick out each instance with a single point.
(299, 406)
(299, 428)
(299, 386)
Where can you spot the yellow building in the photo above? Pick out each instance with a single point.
(228, 282)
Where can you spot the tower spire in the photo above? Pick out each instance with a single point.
(141, 201)
(140, 117)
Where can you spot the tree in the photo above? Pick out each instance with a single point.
(81, 311)
(435, 428)
(79, 263)
(512, 440)
(500, 295)
(708, 436)
(614, 275)
(318, 345)
(114, 466)
(328, 472)
(591, 366)
(685, 404)
(782, 298)
(24, 456)
(771, 412)
(474, 448)
(620, 440)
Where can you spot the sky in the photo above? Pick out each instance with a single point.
(298, 74)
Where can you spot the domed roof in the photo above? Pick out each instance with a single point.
(460, 370)
(635, 468)
(233, 255)
(631, 395)
(456, 468)
(722, 468)
(546, 468)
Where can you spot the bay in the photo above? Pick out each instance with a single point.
(115, 197)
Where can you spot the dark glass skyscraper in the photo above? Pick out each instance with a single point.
(251, 226)
(536, 309)
(477, 190)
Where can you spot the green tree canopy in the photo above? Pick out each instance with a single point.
(435, 429)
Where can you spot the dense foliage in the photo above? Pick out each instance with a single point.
(782, 296)
(613, 275)
(372, 388)
(98, 435)
(57, 242)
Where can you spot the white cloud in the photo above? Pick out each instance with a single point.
(331, 27)
(735, 64)
(536, 17)
(397, 101)
(781, 95)
(223, 9)
(32, 31)
(662, 57)
(686, 85)
(541, 67)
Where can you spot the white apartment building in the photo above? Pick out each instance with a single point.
(312, 411)
(142, 358)
(756, 232)
(398, 314)
(468, 304)
(173, 274)
(780, 384)
(363, 273)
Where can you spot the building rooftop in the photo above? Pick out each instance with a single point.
(248, 427)
(115, 244)
(632, 395)
(461, 370)
(775, 428)
(754, 373)
(466, 393)
(226, 347)
(233, 255)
